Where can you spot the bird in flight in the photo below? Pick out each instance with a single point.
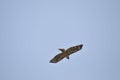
(66, 53)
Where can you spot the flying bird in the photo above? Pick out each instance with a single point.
(66, 53)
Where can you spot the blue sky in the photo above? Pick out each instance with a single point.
(31, 31)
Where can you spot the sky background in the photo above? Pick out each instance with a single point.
(31, 31)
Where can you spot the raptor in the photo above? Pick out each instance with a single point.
(66, 53)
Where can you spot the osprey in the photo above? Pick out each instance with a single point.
(66, 53)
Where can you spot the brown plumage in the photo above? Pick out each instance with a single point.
(66, 53)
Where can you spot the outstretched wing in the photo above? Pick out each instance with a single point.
(57, 58)
(73, 49)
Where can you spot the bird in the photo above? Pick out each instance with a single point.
(65, 53)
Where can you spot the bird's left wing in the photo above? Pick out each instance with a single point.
(57, 58)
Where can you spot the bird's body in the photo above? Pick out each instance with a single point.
(65, 53)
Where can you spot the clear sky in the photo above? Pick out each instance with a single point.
(31, 31)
